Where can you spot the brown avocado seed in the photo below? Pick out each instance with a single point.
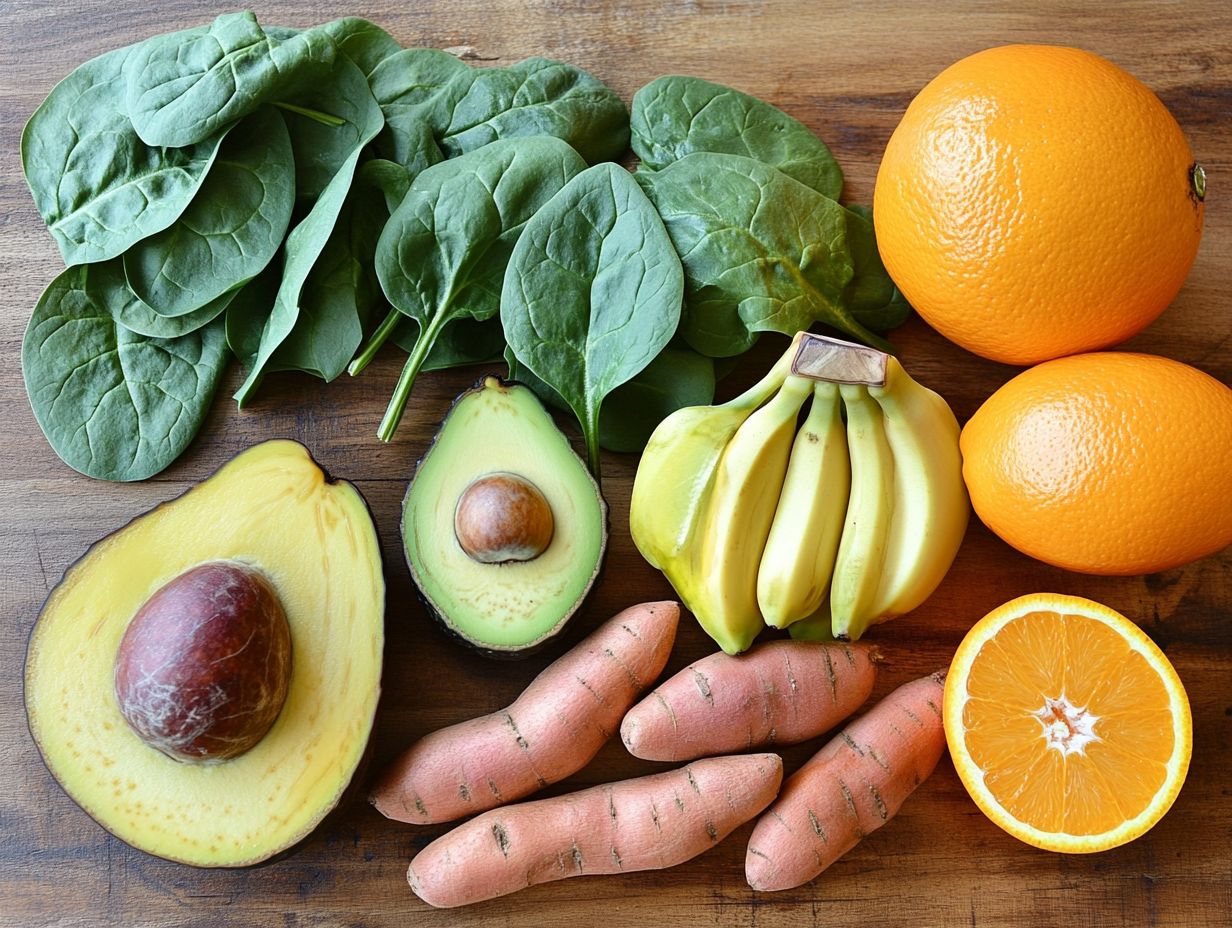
(503, 517)
(203, 667)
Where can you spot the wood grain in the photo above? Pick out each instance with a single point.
(848, 73)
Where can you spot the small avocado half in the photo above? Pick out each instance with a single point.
(267, 552)
(504, 527)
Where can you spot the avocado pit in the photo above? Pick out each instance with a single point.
(503, 517)
(203, 669)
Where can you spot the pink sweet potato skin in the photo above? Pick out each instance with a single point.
(643, 824)
(851, 787)
(782, 692)
(552, 730)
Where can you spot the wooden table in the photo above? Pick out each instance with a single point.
(848, 74)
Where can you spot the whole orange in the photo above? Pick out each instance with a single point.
(1038, 201)
(1107, 463)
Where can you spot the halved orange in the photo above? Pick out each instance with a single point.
(1067, 725)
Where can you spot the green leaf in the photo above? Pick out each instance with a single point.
(676, 116)
(406, 85)
(321, 149)
(442, 255)
(182, 88)
(761, 252)
(248, 312)
(872, 296)
(460, 343)
(98, 187)
(592, 293)
(365, 43)
(113, 404)
(339, 297)
(678, 377)
(391, 178)
(537, 96)
(231, 229)
(106, 286)
(304, 246)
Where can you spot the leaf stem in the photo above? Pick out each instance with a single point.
(327, 119)
(377, 339)
(402, 392)
(591, 433)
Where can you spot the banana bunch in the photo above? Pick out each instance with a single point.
(848, 520)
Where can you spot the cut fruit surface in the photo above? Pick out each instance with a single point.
(503, 576)
(273, 511)
(1067, 725)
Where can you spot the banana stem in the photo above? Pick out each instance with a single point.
(821, 358)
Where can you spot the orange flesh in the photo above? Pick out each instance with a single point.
(1096, 784)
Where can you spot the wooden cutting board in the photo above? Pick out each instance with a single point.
(848, 74)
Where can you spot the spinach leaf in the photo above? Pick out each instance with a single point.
(230, 230)
(365, 43)
(341, 292)
(98, 187)
(106, 286)
(184, 88)
(322, 148)
(303, 247)
(592, 293)
(247, 314)
(338, 299)
(461, 343)
(113, 404)
(533, 97)
(406, 85)
(761, 252)
(872, 295)
(678, 377)
(675, 116)
(443, 252)
(391, 178)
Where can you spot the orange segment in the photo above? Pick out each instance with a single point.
(1068, 726)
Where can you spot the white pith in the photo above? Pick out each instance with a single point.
(1067, 728)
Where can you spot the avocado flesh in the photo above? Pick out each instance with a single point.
(272, 508)
(511, 607)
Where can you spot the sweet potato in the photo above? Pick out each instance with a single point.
(644, 824)
(778, 693)
(851, 787)
(552, 730)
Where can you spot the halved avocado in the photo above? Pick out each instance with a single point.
(270, 514)
(503, 526)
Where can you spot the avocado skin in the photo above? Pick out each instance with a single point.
(440, 620)
(353, 791)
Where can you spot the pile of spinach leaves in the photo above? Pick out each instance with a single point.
(298, 199)
(222, 190)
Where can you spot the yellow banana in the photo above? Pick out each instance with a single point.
(677, 469)
(719, 584)
(798, 560)
(930, 499)
(862, 549)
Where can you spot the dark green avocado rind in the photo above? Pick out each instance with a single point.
(438, 616)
